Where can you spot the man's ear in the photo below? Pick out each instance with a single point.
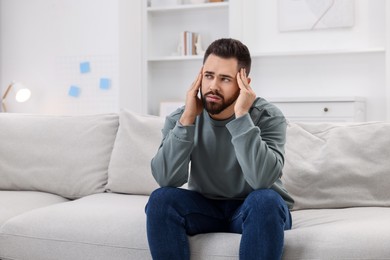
(249, 80)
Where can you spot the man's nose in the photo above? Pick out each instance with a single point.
(213, 85)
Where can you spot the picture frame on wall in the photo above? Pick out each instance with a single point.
(299, 15)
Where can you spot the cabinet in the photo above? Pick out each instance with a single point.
(308, 109)
(335, 109)
(167, 75)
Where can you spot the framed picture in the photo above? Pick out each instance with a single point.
(296, 15)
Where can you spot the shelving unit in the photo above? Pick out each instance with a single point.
(167, 75)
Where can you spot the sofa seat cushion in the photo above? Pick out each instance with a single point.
(100, 226)
(13, 203)
(350, 233)
(113, 226)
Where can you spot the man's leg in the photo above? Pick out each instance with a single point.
(174, 213)
(262, 219)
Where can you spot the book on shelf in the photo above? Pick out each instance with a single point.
(187, 44)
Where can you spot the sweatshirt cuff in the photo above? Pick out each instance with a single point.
(240, 125)
(185, 133)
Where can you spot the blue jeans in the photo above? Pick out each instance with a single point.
(174, 213)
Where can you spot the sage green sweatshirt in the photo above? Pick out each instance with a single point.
(224, 159)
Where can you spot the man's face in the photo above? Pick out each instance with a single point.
(219, 86)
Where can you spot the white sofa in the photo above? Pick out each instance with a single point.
(75, 187)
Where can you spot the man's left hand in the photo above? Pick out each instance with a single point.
(247, 95)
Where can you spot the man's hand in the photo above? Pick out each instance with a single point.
(193, 106)
(247, 95)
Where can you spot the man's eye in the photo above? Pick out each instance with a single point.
(225, 79)
(208, 76)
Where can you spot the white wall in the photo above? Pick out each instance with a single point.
(1, 88)
(43, 43)
(388, 59)
(287, 67)
(43, 40)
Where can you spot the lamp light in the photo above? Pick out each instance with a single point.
(20, 93)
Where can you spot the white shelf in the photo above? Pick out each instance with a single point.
(317, 52)
(274, 54)
(176, 58)
(184, 7)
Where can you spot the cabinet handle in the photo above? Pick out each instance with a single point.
(326, 109)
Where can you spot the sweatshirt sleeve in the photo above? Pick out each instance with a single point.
(259, 148)
(170, 164)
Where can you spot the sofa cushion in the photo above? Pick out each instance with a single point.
(351, 233)
(113, 226)
(63, 155)
(13, 203)
(137, 141)
(335, 165)
(100, 226)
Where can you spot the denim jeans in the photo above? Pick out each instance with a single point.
(174, 213)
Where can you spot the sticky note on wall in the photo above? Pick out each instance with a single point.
(85, 67)
(74, 91)
(105, 83)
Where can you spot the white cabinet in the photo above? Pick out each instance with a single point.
(166, 74)
(342, 109)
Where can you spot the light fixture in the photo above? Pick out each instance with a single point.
(18, 91)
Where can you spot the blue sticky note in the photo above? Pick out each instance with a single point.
(85, 67)
(105, 83)
(74, 91)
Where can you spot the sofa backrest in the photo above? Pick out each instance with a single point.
(334, 165)
(64, 155)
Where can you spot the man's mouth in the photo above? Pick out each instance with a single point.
(213, 98)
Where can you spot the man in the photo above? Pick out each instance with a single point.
(235, 143)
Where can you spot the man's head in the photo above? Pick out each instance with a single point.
(230, 48)
(223, 59)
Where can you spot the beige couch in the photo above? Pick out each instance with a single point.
(75, 187)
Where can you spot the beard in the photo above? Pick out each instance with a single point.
(214, 108)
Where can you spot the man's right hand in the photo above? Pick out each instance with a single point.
(193, 106)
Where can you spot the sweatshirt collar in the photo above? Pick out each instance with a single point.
(218, 122)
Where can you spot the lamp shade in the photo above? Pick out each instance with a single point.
(17, 91)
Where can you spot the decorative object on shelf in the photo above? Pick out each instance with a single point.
(198, 46)
(295, 15)
(187, 43)
(164, 3)
(18, 91)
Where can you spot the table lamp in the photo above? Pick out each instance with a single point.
(18, 91)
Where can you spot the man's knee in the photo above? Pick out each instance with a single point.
(264, 200)
(163, 198)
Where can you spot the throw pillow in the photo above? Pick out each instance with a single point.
(336, 165)
(63, 155)
(137, 141)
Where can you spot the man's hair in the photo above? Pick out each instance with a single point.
(230, 48)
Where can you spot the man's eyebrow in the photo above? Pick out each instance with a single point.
(225, 76)
(220, 75)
